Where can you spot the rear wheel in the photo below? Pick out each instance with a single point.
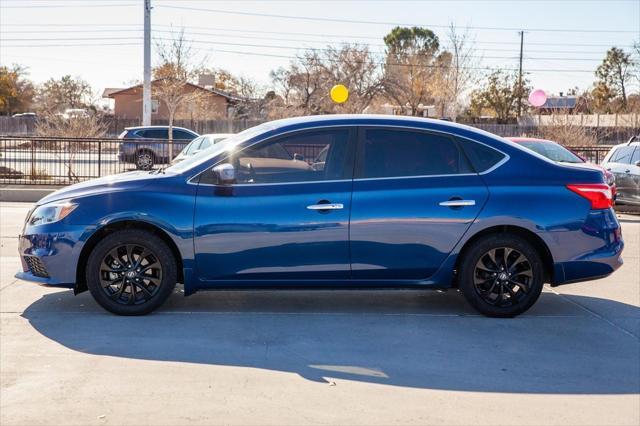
(501, 275)
(144, 160)
(131, 272)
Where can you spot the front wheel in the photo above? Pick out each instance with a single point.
(501, 275)
(131, 272)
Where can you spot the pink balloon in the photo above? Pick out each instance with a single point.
(537, 98)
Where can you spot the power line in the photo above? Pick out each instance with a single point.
(247, 30)
(55, 6)
(353, 21)
(298, 47)
(288, 39)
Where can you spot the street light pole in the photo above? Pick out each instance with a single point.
(146, 88)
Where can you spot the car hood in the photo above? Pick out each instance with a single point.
(113, 183)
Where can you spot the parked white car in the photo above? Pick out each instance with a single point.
(199, 144)
(624, 162)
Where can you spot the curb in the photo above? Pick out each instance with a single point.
(23, 194)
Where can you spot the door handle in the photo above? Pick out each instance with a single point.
(328, 206)
(457, 203)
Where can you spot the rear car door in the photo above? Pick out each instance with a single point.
(285, 218)
(414, 195)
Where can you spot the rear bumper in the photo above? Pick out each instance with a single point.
(592, 251)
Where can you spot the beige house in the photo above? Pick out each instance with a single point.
(213, 104)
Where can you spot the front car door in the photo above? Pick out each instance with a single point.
(414, 196)
(287, 215)
(620, 163)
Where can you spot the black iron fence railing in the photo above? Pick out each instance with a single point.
(64, 161)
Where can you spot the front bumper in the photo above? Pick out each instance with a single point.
(49, 254)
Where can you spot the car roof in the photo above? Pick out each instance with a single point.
(218, 135)
(535, 140)
(158, 127)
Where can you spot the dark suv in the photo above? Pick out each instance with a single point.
(146, 146)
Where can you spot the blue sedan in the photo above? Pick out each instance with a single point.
(331, 201)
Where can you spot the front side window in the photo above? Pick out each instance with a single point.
(622, 155)
(293, 158)
(636, 156)
(156, 134)
(400, 153)
(193, 146)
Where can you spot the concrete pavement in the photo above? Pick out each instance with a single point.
(323, 357)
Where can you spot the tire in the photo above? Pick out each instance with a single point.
(145, 160)
(136, 290)
(496, 292)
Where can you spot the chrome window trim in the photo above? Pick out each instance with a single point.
(489, 170)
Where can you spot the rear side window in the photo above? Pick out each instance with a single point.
(182, 135)
(623, 155)
(481, 156)
(400, 153)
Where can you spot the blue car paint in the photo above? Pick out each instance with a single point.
(251, 236)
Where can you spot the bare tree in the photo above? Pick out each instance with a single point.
(461, 74)
(303, 88)
(81, 126)
(174, 77)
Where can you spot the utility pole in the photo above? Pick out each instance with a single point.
(146, 88)
(520, 76)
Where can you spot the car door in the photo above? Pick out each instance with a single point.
(620, 165)
(414, 196)
(285, 218)
(631, 172)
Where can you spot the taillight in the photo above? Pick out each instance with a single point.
(599, 194)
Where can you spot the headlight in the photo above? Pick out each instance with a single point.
(50, 213)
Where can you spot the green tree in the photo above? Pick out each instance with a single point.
(414, 68)
(16, 91)
(499, 94)
(67, 92)
(615, 72)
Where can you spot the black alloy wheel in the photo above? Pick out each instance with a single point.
(501, 275)
(131, 272)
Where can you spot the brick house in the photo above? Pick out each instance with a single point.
(214, 104)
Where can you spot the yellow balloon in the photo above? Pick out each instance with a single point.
(339, 93)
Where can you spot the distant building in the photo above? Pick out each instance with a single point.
(561, 104)
(214, 104)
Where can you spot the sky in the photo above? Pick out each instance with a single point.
(101, 40)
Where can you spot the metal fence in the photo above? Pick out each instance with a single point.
(63, 161)
(610, 135)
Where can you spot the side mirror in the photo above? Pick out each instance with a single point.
(638, 163)
(298, 157)
(225, 173)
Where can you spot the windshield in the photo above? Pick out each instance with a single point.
(553, 151)
(218, 148)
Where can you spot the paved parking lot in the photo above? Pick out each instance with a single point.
(300, 357)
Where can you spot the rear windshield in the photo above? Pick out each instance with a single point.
(553, 151)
